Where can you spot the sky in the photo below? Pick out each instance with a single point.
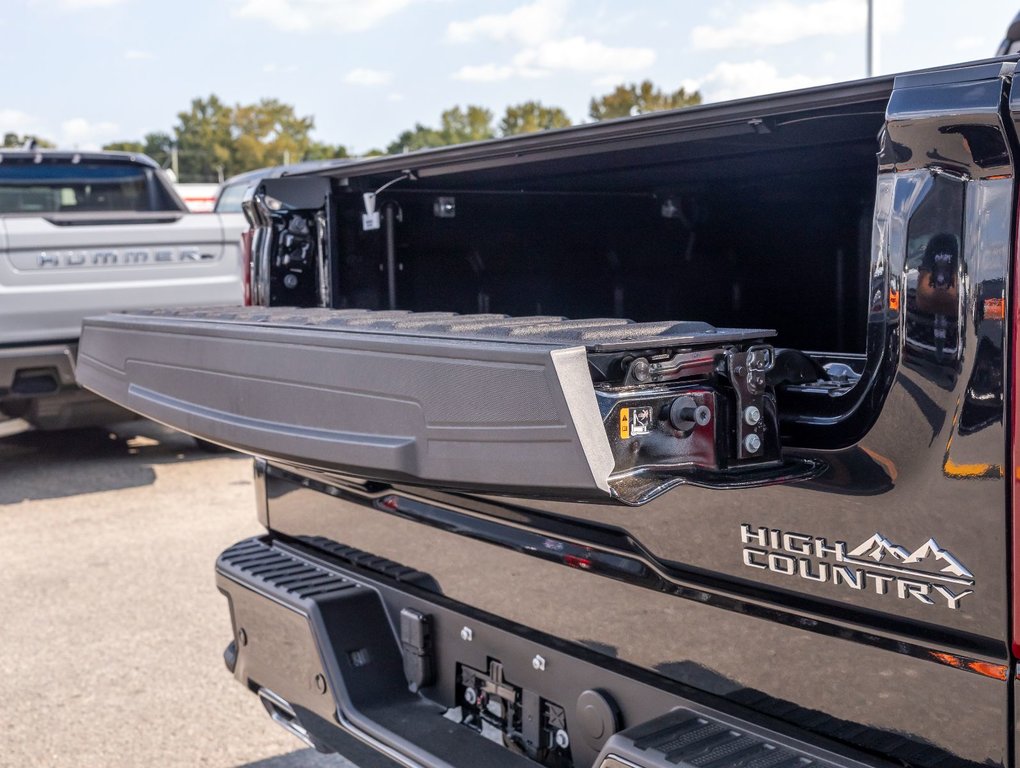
(87, 72)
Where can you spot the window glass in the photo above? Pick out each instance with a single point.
(230, 198)
(65, 187)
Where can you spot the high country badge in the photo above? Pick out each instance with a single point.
(929, 574)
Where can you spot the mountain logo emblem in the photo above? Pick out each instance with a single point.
(881, 550)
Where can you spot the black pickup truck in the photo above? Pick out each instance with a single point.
(752, 505)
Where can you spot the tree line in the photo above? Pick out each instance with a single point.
(213, 140)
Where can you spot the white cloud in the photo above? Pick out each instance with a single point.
(690, 86)
(16, 121)
(578, 54)
(89, 3)
(484, 73)
(76, 133)
(783, 21)
(969, 42)
(529, 24)
(311, 15)
(730, 80)
(889, 16)
(367, 77)
(79, 133)
(136, 55)
(538, 27)
(608, 81)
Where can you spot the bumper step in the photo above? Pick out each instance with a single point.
(327, 643)
(686, 739)
(360, 662)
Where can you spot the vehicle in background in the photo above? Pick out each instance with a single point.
(231, 192)
(200, 198)
(1011, 42)
(88, 232)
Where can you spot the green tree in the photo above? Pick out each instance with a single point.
(13, 140)
(125, 146)
(531, 116)
(268, 133)
(318, 151)
(213, 138)
(456, 126)
(419, 137)
(639, 99)
(205, 140)
(156, 145)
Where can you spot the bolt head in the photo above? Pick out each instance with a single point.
(752, 443)
(467, 635)
(538, 664)
(242, 636)
(320, 683)
(562, 738)
(641, 369)
(470, 696)
(752, 415)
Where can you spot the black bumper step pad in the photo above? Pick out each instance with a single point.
(690, 739)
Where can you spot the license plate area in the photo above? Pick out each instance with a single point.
(529, 723)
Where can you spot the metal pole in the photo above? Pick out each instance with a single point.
(391, 257)
(870, 64)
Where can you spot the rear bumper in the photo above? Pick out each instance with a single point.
(56, 360)
(38, 384)
(339, 651)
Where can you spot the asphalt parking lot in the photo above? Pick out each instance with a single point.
(111, 628)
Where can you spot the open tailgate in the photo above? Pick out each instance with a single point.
(535, 406)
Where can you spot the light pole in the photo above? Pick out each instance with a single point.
(174, 165)
(870, 35)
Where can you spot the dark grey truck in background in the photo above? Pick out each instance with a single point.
(686, 439)
(89, 232)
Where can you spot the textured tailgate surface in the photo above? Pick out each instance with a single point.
(595, 333)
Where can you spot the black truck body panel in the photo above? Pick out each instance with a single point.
(855, 591)
(842, 674)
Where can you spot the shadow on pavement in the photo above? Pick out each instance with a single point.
(47, 465)
(305, 758)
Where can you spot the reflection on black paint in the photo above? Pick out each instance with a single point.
(982, 400)
(934, 283)
(985, 143)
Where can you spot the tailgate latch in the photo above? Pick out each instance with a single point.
(703, 415)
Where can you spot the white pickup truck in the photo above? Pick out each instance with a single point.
(86, 232)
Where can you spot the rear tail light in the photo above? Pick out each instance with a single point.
(1013, 465)
(246, 238)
